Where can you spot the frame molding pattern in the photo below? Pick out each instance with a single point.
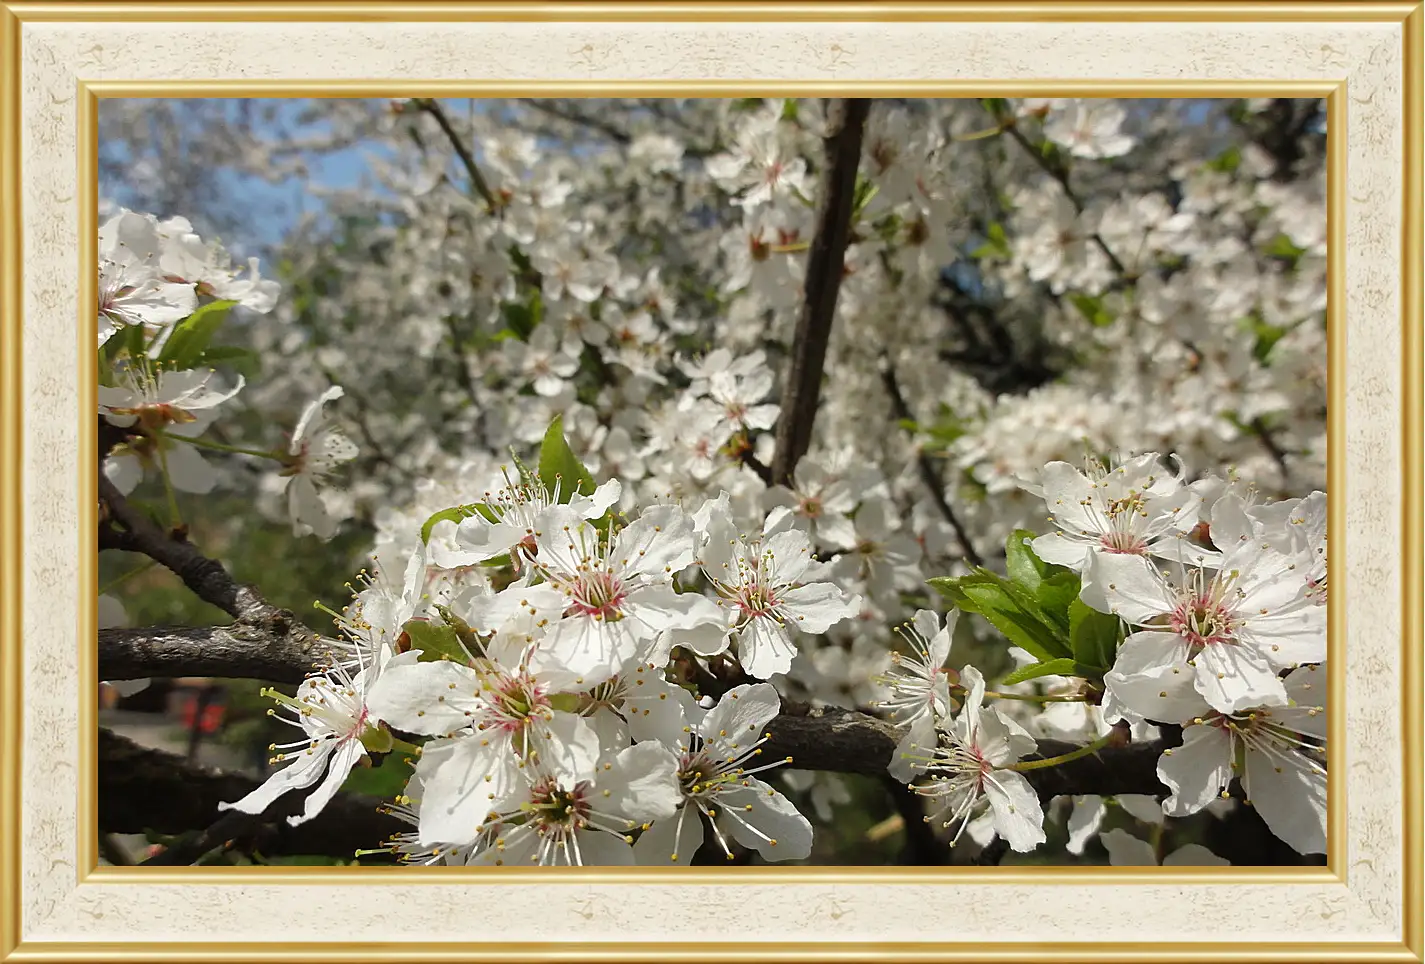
(60, 59)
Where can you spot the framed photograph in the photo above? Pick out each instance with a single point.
(802, 481)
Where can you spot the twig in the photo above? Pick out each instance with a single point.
(1060, 174)
(553, 109)
(477, 180)
(752, 462)
(222, 833)
(1278, 454)
(826, 260)
(263, 638)
(928, 475)
(128, 528)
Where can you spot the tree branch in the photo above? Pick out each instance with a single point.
(142, 789)
(1059, 173)
(846, 741)
(477, 180)
(557, 110)
(826, 261)
(928, 475)
(816, 738)
(131, 530)
(263, 638)
(265, 649)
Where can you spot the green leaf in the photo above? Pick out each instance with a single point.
(1056, 597)
(190, 337)
(1093, 310)
(1283, 247)
(1023, 566)
(559, 468)
(1052, 587)
(454, 514)
(865, 190)
(521, 318)
(1226, 162)
(1064, 666)
(1009, 608)
(997, 243)
(1265, 333)
(1094, 636)
(244, 360)
(128, 340)
(998, 106)
(436, 641)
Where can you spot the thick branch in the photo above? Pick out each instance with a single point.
(830, 738)
(826, 261)
(816, 738)
(144, 789)
(270, 648)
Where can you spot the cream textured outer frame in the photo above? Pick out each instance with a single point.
(54, 904)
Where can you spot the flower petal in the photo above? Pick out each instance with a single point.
(1197, 771)
(1017, 814)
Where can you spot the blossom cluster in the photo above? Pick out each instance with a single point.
(163, 294)
(540, 672)
(1217, 624)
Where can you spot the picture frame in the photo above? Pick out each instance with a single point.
(60, 59)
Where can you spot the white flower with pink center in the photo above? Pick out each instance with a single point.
(337, 720)
(919, 684)
(718, 760)
(497, 716)
(969, 763)
(1230, 631)
(1278, 752)
(155, 399)
(769, 588)
(618, 593)
(316, 449)
(1136, 508)
(505, 520)
(584, 819)
(132, 289)
(1297, 528)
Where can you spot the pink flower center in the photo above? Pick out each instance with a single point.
(1202, 620)
(756, 599)
(1123, 542)
(599, 594)
(515, 701)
